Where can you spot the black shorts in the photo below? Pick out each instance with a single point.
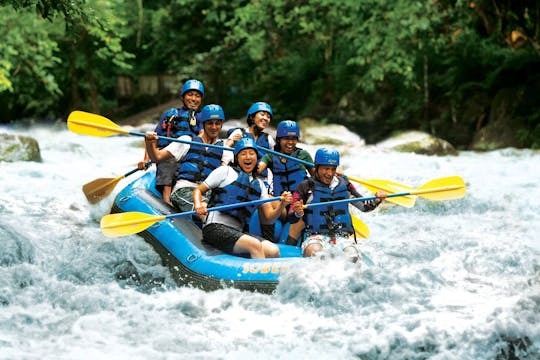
(223, 237)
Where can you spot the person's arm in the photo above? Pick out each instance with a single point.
(141, 165)
(157, 155)
(305, 156)
(261, 167)
(198, 204)
(296, 211)
(299, 197)
(234, 137)
(270, 213)
(369, 205)
(227, 157)
(263, 164)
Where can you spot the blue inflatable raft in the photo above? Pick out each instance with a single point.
(191, 261)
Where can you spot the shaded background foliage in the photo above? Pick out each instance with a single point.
(462, 70)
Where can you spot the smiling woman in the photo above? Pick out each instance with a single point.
(229, 185)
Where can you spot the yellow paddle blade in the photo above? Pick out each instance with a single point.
(85, 123)
(127, 223)
(389, 187)
(99, 189)
(360, 228)
(448, 188)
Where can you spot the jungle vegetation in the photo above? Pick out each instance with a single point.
(447, 67)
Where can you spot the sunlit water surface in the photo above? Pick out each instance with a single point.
(449, 280)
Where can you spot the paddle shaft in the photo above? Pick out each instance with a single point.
(84, 119)
(225, 207)
(368, 198)
(131, 172)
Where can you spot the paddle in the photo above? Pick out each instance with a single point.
(128, 223)
(448, 188)
(134, 222)
(360, 228)
(85, 123)
(81, 122)
(390, 188)
(99, 189)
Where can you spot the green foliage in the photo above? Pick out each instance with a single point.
(47, 9)
(28, 58)
(35, 73)
(376, 66)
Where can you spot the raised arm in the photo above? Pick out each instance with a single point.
(157, 155)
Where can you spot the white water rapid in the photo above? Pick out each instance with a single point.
(449, 280)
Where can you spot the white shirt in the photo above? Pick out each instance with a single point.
(271, 141)
(219, 178)
(179, 151)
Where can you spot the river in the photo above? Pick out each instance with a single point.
(457, 279)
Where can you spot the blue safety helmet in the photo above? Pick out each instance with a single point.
(245, 143)
(192, 85)
(288, 128)
(326, 156)
(255, 108)
(211, 112)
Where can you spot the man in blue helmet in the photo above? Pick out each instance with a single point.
(193, 162)
(176, 122)
(326, 226)
(227, 230)
(287, 174)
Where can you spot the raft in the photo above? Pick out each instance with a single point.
(191, 261)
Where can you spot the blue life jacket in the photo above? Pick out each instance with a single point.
(240, 190)
(333, 219)
(262, 141)
(199, 161)
(287, 175)
(175, 123)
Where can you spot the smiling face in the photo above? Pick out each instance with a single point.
(247, 160)
(288, 144)
(212, 128)
(325, 173)
(192, 99)
(262, 119)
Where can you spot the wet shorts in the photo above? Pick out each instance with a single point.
(326, 241)
(223, 237)
(166, 172)
(182, 198)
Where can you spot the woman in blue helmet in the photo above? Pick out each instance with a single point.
(226, 230)
(326, 226)
(176, 122)
(193, 163)
(259, 116)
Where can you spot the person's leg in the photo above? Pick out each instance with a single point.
(295, 231)
(270, 249)
(165, 174)
(182, 199)
(250, 244)
(167, 194)
(348, 244)
(312, 245)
